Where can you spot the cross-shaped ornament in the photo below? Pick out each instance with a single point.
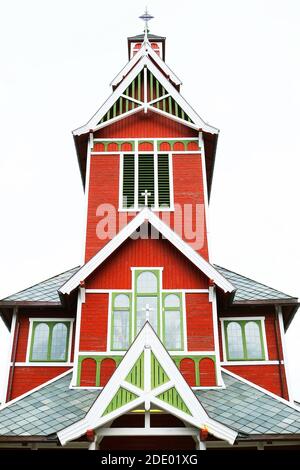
(147, 309)
(146, 194)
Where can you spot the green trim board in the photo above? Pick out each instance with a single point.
(121, 398)
(98, 360)
(173, 398)
(126, 310)
(196, 359)
(158, 375)
(175, 309)
(49, 355)
(242, 324)
(136, 375)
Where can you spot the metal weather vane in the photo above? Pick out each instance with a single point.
(146, 17)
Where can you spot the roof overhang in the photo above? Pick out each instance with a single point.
(146, 215)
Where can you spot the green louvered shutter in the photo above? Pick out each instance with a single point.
(128, 181)
(163, 181)
(146, 179)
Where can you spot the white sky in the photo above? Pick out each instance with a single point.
(239, 62)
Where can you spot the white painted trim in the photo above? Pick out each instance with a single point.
(216, 337)
(77, 339)
(261, 389)
(121, 176)
(147, 268)
(4, 390)
(136, 175)
(109, 322)
(205, 191)
(284, 353)
(146, 215)
(174, 118)
(146, 341)
(44, 364)
(171, 181)
(45, 320)
(237, 319)
(142, 139)
(86, 195)
(147, 431)
(155, 163)
(249, 363)
(222, 319)
(35, 389)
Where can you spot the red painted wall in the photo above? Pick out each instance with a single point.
(94, 317)
(178, 272)
(187, 178)
(27, 378)
(200, 333)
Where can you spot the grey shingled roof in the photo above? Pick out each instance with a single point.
(249, 410)
(240, 406)
(45, 291)
(47, 410)
(247, 289)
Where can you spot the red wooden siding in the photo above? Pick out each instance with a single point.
(27, 378)
(108, 366)
(93, 331)
(207, 372)
(145, 125)
(178, 272)
(200, 335)
(266, 376)
(187, 368)
(88, 373)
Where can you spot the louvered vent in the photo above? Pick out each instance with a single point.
(146, 179)
(163, 181)
(128, 181)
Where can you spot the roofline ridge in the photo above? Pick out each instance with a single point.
(253, 280)
(36, 284)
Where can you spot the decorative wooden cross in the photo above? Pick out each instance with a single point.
(146, 194)
(147, 309)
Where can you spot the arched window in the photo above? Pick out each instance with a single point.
(49, 341)
(172, 318)
(40, 342)
(121, 314)
(234, 341)
(253, 340)
(59, 342)
(244, 340)
(146, 283)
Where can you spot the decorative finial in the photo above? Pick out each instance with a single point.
(146, 17)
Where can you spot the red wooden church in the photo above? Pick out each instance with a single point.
(147, 345)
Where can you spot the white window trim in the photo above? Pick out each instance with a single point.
(136, 153)
(264, 337)
(45, 320)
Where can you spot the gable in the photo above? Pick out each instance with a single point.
(159, 384)
(145, 89)
(178, 272)
(165, 231)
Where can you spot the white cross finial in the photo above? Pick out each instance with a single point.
(147, 309)
(146, 17)
(146, 194)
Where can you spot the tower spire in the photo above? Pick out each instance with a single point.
(146, 17)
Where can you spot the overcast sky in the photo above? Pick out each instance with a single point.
(239, 63)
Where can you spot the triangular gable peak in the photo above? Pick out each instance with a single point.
(145, 88)
(146, 215)
(158, 384)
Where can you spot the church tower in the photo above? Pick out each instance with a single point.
(147, 332)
